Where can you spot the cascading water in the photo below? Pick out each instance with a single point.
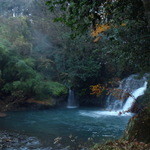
(140, 91)
(136, 87)
(72, 103)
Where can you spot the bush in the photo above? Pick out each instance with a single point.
(19, 75)
(56, 88)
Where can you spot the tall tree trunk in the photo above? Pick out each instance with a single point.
(147, 11)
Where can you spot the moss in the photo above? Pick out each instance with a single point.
(122, 145)
(138, 127)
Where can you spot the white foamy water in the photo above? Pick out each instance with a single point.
(140, 91)
(97, 114)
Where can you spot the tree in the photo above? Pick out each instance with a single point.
(125, 37)
(80, 15)
(147, 10)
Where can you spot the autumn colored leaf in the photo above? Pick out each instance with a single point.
(99, 29)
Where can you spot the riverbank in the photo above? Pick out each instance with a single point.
(15, 141)
(29, 104)
(136, 135)
(122, 145)
(12, 141)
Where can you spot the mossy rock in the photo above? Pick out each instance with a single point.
(139, 127)
(122, 145)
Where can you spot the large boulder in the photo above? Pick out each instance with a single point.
(139, 127)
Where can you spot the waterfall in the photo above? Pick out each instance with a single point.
(72, 103)
(136, 87)
(140, 91)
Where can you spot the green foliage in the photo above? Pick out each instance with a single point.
(127, 47)
(45, 47)
(124, 48)
(15, 34)
(17, 75)
(79, 15)
(56, 88)
(124, 11)
(77, 61)
(20, 72)
(22, 47)
(30, 61)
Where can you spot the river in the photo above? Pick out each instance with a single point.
(62, 127)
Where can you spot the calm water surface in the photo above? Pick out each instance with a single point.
(80, 123)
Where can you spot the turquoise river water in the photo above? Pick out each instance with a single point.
(72, 126)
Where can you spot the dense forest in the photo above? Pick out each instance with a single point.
(50, 47)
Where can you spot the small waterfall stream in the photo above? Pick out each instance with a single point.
(115, 107)
(136, 87)
(72, 103)
(140, 91)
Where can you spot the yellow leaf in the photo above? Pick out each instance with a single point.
(100, 29)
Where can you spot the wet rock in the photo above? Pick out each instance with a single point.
(17, 142)
(138, 127)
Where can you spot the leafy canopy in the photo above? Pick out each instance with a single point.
(82, 14)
